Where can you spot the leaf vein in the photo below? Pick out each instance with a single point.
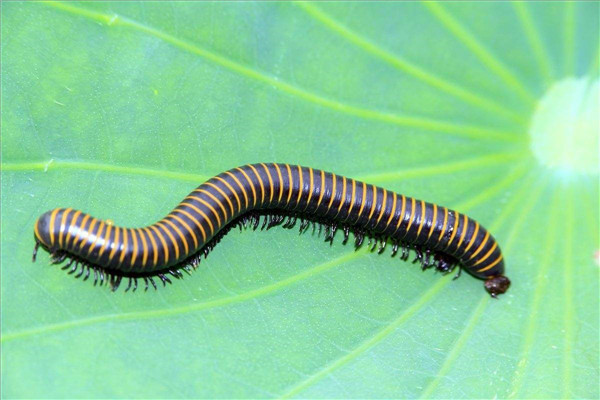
(408, 67)
(424, 123)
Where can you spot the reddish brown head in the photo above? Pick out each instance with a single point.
(497, 285)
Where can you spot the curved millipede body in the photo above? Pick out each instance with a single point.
(280, 194)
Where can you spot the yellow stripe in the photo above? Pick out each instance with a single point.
(87, 231)
(135, 247)
(401, 218)
(98, 234)
(492, 265)
(311, 188)
(217, 201)
(180, 234)
(80, 229)
(171, 237)
(464, 232)
(301, 187)
(490, 251)
(456, 218)
(387, 224)
(363, 201)
(69, 233)
(164, 243)
(207, 204)
(125, 245)
(249, 182)
(63, 221)
(199, 211)
(106, 239)
(116, 244)
(444, 224)
(195, 221)
(472, 238)
(290, 184)
(280, 183)
(322, 188)
(382, 210)
(422, 222)
(434, 221)
(154, 246)
(260, 182)
(51, 225)
(333, 178)
(483, 242)
(412, 214)
(241, 187)
(232, 191)
(222, 193)
(144, 246)
(188, 228)
(272, 187)
(343, 196)
(352, 197)
(374, 203)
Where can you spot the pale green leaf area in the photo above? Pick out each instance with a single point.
(121, 109)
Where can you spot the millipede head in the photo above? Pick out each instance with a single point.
(497, 285)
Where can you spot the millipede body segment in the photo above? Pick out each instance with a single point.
(280, 194)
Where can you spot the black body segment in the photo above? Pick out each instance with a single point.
(283, 190)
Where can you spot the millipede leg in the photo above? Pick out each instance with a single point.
(304, 223)
(67, 265)
(394, 249)
(164, 279)
(405, 254)
(457, 274)
(358, 239)
(35, 250)
(80, 272)
(292, 222)
(346, 234)
(427, 260)
(176, 273)
(418, 255)
(332, 230)
(374, 244)
(382, 245)
(129, 285)
(116, 282)
(153, 283)
(74, 268)
(266, 220)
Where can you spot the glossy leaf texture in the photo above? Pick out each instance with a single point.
(121, 109)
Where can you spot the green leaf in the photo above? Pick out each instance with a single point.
(120, 109)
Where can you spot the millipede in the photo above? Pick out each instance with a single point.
(268, 195)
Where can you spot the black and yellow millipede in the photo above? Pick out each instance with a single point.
(268, 195)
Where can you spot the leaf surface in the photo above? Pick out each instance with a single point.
(121, 109)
